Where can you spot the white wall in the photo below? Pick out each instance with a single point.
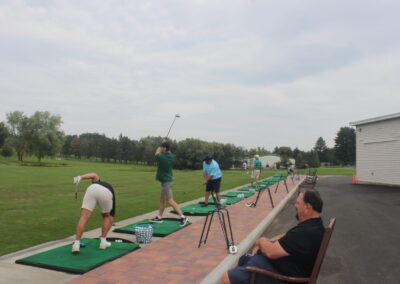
(378, 152)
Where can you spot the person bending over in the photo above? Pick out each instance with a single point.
(101, 193)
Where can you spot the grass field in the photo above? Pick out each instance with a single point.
(37, 203)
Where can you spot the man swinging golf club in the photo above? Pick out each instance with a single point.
(212, 178)
(164, 175)
(101, 193)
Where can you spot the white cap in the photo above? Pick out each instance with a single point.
(256, 156)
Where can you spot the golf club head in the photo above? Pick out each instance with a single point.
(177, 115)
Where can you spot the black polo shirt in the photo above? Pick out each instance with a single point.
(302, 243)
(110, 188)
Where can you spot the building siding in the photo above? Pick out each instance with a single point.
(378, 152)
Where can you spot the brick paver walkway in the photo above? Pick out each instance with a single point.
(176, 258)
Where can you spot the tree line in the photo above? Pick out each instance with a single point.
(40, 135)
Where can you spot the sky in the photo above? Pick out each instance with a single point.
(254, 73)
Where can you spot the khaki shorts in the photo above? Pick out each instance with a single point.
(255, 174)
(166, 190)
(98, 194)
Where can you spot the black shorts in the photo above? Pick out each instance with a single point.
(213, 185)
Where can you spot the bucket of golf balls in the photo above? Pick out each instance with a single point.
(223, 201)
(241, 196)
(252, 190)
(144, 233)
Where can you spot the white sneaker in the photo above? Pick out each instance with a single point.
(104, 245)
(75, 248)
(77, 179)
(184, 221)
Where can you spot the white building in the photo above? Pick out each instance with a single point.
(270, 161)
(378, 150)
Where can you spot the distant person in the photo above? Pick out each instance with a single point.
(292, 254)
(212, 179)
(290, 171)
(164, 175)
(244, 166)
(101, 193)
(257, 165)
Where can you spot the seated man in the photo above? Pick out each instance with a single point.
(291, 254)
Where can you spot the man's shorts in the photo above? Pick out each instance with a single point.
(240, 275)
(213, 185)
(255, 174)
(166, 190)
(98, 194)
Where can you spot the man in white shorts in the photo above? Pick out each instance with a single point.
(100, 193)
(257, 166)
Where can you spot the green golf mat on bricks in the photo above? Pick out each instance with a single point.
(89, 257)
(247, 188)
(229, 200)
(168, 226)
(196, 209)
(235, 194)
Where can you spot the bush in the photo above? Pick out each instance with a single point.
(6, 151)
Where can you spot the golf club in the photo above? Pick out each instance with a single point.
(176, 116)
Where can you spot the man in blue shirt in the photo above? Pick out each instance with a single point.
(212, 178)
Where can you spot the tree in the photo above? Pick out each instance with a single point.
(3, 134)
(345, 146)
(20, 135)
(284, 152)
(45, 135)
(321, 149)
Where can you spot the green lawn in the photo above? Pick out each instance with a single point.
(37, 203)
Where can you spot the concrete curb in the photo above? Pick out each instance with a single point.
(231, 260)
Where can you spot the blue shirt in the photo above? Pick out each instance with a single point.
(212, 169)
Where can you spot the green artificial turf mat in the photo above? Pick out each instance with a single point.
(229, 200)
(234, 194)
(196, 209)
(168, 226)
(89, 257)
(247, 188)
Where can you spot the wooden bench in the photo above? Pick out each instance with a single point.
(317, 266)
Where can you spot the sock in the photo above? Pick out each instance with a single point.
(182, 216)
(77, 242)
(103, 240)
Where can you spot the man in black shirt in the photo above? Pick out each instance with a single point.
(101, 193)
(291, 254)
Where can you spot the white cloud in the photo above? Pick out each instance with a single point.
(252, 73)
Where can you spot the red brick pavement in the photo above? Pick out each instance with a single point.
(176, 258)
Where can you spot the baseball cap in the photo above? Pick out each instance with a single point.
(256, 156)
(207, 158)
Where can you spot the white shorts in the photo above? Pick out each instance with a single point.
(255, 174)
(98, 194)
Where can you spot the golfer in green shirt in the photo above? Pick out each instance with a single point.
(164, 175)
(257, 166)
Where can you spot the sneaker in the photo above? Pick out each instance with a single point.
(104, 245)
(204, 205)
(77, 179)
(184, 220)
(75, 248)
(157, 219)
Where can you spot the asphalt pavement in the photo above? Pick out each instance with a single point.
(364, 247)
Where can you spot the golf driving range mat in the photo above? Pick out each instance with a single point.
(168, 226)
(197, 209)
(89, 257)
(235, 194)
(247, 188)
(229, 200)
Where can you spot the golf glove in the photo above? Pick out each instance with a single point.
(77, 180)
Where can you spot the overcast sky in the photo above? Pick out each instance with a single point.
(252, 73)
